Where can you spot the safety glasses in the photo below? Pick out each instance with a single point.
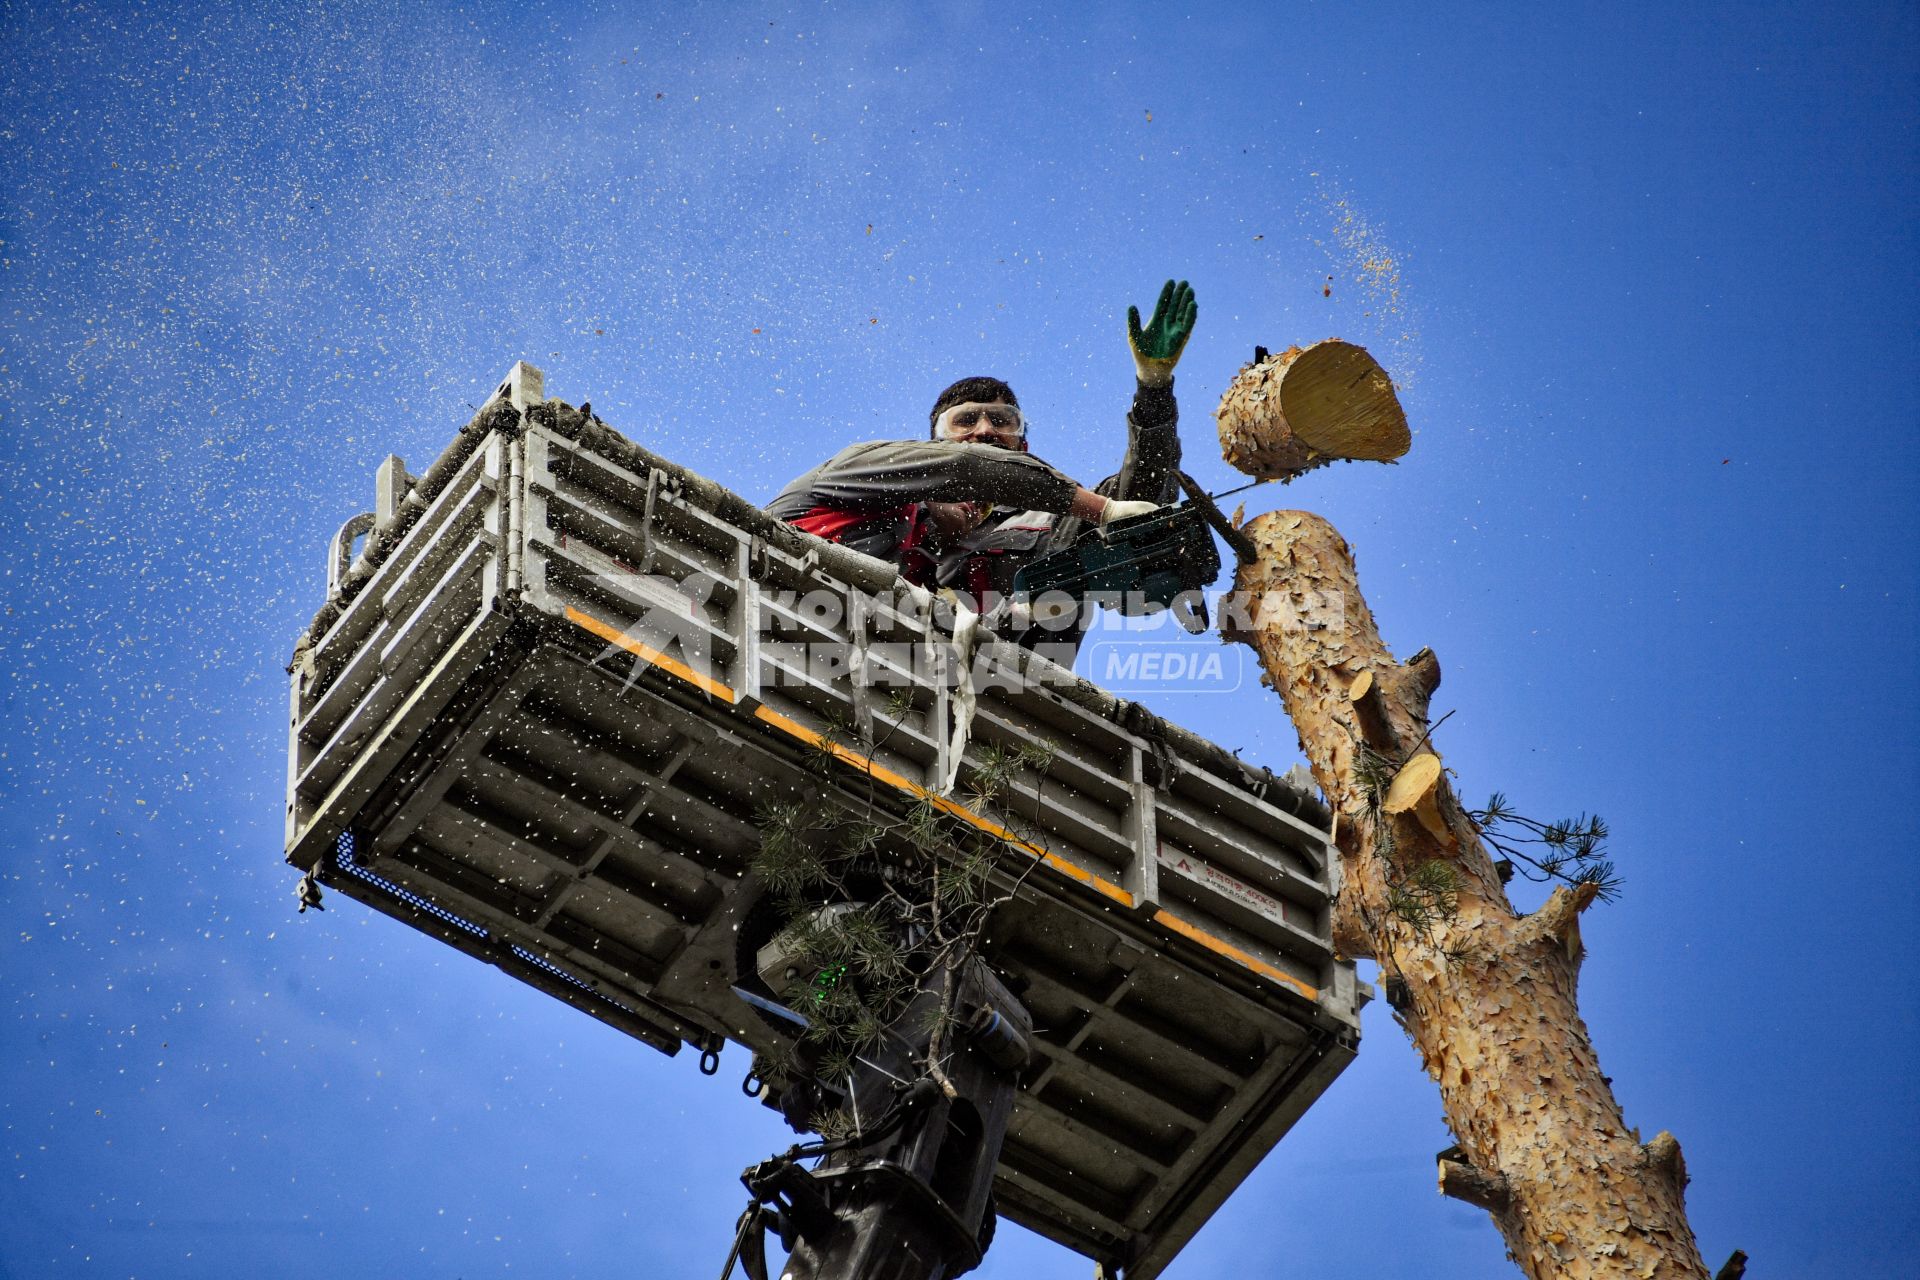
(1004, 418)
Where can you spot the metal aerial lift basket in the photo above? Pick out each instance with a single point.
(541, 710)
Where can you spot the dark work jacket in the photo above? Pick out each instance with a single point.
(888, 477)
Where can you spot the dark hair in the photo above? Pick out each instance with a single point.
(971, 390)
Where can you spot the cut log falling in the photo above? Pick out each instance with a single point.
(1287, 414)
(1487, 995)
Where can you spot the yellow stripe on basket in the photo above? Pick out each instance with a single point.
(881, 773)
(1233, 953)
(872, 768)
(672, 666)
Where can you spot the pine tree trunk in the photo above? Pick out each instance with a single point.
(1487, 996)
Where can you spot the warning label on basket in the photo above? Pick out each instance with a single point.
(1229, 887)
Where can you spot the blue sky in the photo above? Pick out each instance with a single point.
(1645, 272)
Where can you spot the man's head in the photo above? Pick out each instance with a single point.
(979, 411)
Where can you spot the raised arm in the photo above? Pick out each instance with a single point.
(1150, 472)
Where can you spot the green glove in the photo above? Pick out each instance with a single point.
(1157, 348)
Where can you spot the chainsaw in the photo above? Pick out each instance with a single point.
(1165, 559)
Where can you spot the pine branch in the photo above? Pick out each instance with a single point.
(931, 905)
(1570, 851)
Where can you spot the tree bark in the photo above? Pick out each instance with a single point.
(1489, 995)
